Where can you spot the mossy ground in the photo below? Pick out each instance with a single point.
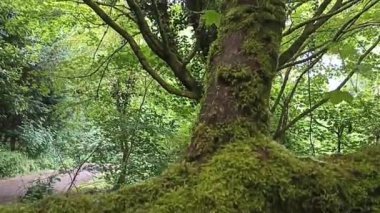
(254, 175)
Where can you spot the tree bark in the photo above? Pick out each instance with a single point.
(242, 64)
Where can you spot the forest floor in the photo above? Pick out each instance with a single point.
(12, 189)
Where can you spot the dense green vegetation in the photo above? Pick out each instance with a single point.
(195, 106)
(65, 116)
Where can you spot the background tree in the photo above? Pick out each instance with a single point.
(26, 93)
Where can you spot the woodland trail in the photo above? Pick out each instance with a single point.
(13, 188)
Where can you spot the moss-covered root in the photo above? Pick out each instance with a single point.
(254, 175)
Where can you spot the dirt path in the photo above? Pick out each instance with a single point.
(13, 188)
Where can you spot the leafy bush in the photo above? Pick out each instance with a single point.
(138, 141)
(37, 140)
(40, 189)
(14, 163)
(78, 138)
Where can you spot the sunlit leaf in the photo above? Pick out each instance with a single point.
(211, 17)
(336, 97)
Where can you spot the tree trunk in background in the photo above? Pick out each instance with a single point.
(121, 179)
(241, 68)
(13, 143)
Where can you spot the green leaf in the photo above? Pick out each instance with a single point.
(348, 50)
(211, 17)
(365, 69)
(337, 97)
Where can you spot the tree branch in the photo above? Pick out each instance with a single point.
(325, 100)
(161, 27)
(311, 28)
(316, 18)
(192, 53)
(150, 38)
(352, 21)
(139, 54)
(282, 90)
(172, 60)
(292, 93)
(338, 36)
(106, 61)
(315, 55)
(100, 42)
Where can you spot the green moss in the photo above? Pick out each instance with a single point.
(248, 16)
(232, 75)
(252, 175)
(248, 88)
(214, 137)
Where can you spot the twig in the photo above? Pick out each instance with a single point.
(339, 87)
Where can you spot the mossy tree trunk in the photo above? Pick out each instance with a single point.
(242, 64)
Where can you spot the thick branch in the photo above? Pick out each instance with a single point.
(316, 17)
(352, 21)
(161, 27)
(137, 51)
(149, 37)
(337, 37)
(166, 54)
(311, 28)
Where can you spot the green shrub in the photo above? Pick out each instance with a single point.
(14, 163)
(37, 140)
(41, 188)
